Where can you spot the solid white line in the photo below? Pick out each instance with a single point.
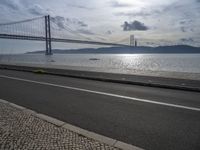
(104, 93)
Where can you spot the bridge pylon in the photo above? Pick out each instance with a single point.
(48, 35)
(132, 40)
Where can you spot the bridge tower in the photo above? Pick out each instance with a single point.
(132, 39)
(136, 43)
(48, 35)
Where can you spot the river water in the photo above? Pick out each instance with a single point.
(121, 63)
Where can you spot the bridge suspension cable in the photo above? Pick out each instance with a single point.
(23, 21)
(28, 27)
(44, 29)
(56, 32)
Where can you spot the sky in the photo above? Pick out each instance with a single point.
(153, 22)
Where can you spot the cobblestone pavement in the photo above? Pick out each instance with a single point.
(20, 130)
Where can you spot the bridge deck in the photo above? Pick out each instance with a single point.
(40, 38)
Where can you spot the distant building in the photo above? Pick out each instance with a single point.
(132, 40)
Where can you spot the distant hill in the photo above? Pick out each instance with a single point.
(128, 50)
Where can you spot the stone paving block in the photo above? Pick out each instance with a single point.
(89, 134)
(21, 130)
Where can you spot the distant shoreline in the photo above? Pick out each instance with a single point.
(127, 50)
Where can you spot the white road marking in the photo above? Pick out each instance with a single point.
(104, 93)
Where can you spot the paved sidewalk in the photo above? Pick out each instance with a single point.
(20, 130)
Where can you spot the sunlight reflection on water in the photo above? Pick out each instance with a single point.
(154, 62)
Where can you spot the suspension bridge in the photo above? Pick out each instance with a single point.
(46, 29)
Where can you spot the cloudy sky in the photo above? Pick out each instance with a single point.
(153, 22)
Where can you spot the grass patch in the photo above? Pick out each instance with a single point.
(39, 71)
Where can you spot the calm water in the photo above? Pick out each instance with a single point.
(153, 62)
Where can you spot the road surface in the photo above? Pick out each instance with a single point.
(147, 117)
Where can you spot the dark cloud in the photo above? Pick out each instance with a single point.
(182, 22)
(118, 4)
(145, 12)
(187, 40)
(38, 10)
(183, 29)
(135, 25)
(80, 6)
(109, 32)
(63, 23)
(85, 31)
(178, 9)
(82, 24)
(134, 14)
(10, 4)
(59, 21)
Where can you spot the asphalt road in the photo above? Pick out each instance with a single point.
(150, 118)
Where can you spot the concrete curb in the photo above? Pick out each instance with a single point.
(161, 82)
(50, 119)
(17, 106)
(83, 132)
(3, 101)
